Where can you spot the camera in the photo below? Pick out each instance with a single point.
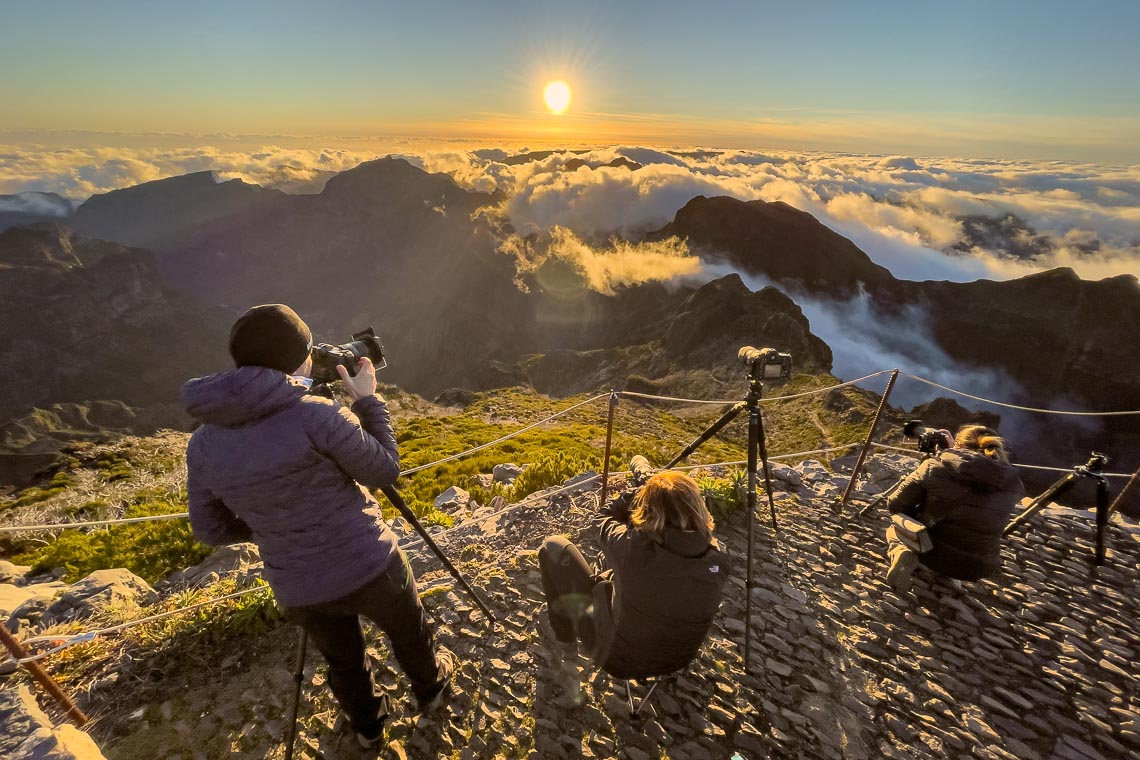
(929, 441)
(767, 363)
(327, 357)
(1096, 464)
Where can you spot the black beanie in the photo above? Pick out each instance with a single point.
(270, 336)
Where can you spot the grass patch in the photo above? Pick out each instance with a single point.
(59, 483)
(149, 550)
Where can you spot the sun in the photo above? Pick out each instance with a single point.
(557, 96)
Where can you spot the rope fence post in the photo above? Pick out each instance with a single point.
(42, 678)
(1123, 492)
(609, 440)
(870, 437)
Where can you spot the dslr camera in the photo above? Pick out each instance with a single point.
(766, 363)
(929, 441)
(327, 357)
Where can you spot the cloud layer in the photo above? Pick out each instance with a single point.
(912, 215)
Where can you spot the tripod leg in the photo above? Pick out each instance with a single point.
(753, 435)
(298, 677)
(713, 429)
(1062, 484)
(401, 505)
(763, 448)
(880, 498)
(1101, 518)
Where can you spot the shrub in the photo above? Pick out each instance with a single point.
(724, 495)
(550, 470)
(59, 483)
(149, 550)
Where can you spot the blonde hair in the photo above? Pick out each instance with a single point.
(671, 499)
(983, 439)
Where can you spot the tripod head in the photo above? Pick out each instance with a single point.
(1094, 468)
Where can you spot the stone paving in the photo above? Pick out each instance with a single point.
(1036, 663)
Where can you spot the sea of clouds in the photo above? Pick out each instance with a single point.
(907, 213)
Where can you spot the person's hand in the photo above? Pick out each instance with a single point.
(363, 384)
(947, 438)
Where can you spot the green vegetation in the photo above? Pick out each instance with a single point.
(59, 483)
(724, 495)
(113, 465)
(150, 550)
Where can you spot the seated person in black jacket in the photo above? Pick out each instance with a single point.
(965, 497)
(650, 612)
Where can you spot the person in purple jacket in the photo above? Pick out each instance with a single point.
(292, 472)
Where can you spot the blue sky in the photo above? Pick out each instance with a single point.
(1023, 79)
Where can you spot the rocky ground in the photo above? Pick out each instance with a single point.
(1036, 663)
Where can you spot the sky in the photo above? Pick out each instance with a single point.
(1012, 80)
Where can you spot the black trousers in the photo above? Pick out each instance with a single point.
(390, 600)
(567, 581)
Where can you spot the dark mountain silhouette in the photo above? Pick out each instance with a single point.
(409, 252)
(161, 214)
(93, 320)
(774, 240)
(1008, 234)
(575, 164)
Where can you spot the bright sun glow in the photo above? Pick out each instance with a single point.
(557, 96)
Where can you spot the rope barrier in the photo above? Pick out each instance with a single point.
(506, 437)
(770, 399)
(1015, 464)
(1015, 406)
(80, 638)
(91, 523)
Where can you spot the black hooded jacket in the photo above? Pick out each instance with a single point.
(967, 499)
(652, 618)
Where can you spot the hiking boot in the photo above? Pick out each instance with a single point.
(445, 661)
(903, 563)
(374, 735)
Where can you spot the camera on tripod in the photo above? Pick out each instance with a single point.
(929, 441)
(327, 357)
(766, 363)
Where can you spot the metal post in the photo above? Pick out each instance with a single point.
(42, 678)
(1101, 517)
(870, 437)
(298, 678)
(609, 439)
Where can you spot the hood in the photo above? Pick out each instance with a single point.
(978, 469)
(685, 543)
(241, 396)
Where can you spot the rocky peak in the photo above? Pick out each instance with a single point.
(158, 214)
(773, 240)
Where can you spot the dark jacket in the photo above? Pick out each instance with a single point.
(655, 614)
(279, 467)
(967, 498)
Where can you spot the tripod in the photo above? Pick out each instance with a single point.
(406, 512)
(1091, 469)
(757, 448)
(887, 493)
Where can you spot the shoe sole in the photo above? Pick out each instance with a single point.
(899, 574)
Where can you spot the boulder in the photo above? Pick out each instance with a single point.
(506, 473)
(453, 499)
(242, 560)
(783, 472)
(11, 573)
(483, 480)
(585, 479)
(27, 603)
(102, 588)
(26, 732)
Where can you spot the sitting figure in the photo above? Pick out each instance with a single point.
(649, 613)
(964, 497)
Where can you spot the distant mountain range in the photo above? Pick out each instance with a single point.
(411, 253)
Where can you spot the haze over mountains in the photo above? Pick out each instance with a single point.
(468, 290)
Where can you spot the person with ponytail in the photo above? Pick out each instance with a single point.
(965, 497)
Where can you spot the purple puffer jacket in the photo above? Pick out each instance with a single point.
(281, 468)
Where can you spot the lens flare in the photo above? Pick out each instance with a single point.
(557, 96)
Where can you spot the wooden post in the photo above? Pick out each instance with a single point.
(870, 437)
(609, 439)
(42, 678)
(1123, 491)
